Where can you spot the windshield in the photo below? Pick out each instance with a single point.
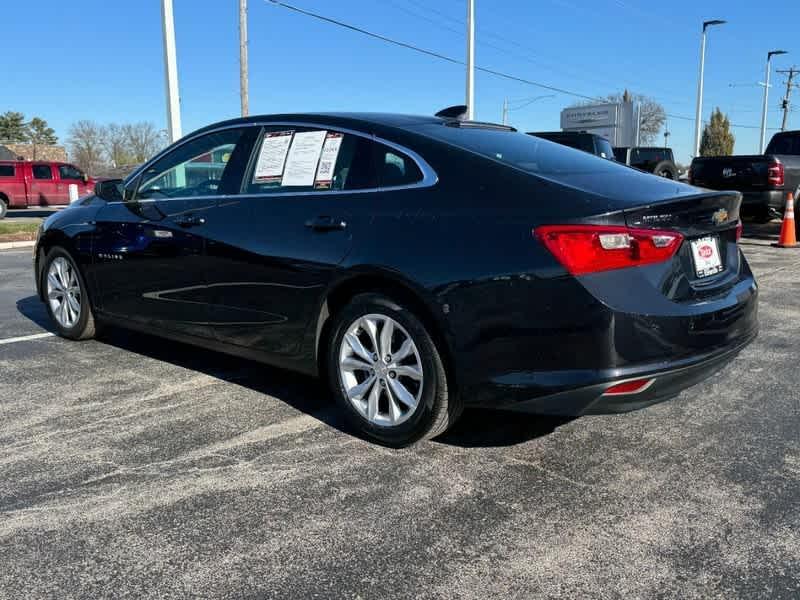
(526, 152)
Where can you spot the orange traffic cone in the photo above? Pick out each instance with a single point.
(788, 237)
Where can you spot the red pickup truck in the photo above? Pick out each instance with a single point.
(26, 184)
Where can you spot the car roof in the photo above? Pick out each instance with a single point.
(342, 119)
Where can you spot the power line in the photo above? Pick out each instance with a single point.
(456, 61)
(427, 52)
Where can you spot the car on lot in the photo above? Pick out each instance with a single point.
(659, 161)
(420, 264)
(580, 140)
(763, 180)
(27, 184)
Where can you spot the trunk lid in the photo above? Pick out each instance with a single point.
(708, 219)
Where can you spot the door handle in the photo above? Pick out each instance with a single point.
(189, 220)
(325, 223)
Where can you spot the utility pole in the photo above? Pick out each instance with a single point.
(171, 72)
(470, 60)
(785, 105)
(505, 111)
(243, 74)
(770, 54)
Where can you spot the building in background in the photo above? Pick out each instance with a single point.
(14, 151)
(618, 123)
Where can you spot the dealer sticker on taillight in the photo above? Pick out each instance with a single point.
(705, 252)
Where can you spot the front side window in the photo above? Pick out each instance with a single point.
(194, 169)
(6, 170)
(69, 172)
(42, 172)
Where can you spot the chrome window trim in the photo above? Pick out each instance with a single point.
(429, 176)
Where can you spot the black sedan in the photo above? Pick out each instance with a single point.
(420, 264)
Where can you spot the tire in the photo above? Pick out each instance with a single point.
(436, 409)
(83, 327)
(3, 207)
(667, 169)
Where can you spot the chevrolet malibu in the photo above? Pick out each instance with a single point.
(419, 264)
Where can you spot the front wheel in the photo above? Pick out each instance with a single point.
(66, 296)
(387, 373)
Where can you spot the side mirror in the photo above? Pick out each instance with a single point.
(109, 190)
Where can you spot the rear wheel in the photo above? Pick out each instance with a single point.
(666, 169)
(387, 373)
(3, 206)
(66, 296)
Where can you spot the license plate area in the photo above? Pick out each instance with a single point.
(706, 256)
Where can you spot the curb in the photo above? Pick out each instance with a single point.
(10, 245)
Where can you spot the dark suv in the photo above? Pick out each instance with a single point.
(658, 161)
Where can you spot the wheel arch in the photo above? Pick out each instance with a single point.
(48, 241)
(393, 286)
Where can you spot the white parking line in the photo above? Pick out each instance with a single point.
(26, 338)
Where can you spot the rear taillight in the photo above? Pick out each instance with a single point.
(739, 230)
(775, 174)
(586, 249)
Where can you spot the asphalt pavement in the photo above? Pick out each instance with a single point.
(135, 467)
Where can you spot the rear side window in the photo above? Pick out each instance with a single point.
(294, 160)
(42, 172)
(69, 172)
(6, 170)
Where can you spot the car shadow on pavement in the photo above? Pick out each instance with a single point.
(476, 428)
(34, 310)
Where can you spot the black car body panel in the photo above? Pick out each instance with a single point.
(249, 274)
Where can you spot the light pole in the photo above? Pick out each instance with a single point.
(524, 102)
(244, 93)
(699, 113)
(770, 54)
(171, 72)
(470, 60)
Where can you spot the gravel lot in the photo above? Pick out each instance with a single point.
(135, 467)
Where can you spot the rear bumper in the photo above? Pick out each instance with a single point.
(774, 199)
(669, 380)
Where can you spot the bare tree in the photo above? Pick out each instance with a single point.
(116, 146)
(653, 116)
(86, 145)
(143, 140)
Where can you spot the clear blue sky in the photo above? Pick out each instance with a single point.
(101, 60)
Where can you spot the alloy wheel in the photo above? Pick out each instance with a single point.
(381, 370)
(64, 292)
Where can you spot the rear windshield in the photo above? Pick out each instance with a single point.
(526, 152)
(784, 144)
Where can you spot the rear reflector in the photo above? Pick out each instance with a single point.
(586, 249)
(629, 387)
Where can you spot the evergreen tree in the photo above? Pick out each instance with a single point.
(717, 138)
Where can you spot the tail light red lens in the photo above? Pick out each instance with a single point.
(739, 230)
(586, 249)
(775, 174)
